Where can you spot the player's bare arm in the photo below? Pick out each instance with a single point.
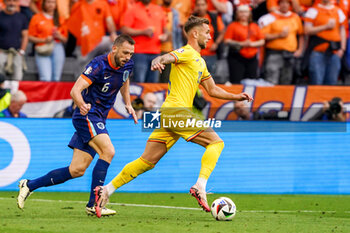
(217, 92)
(159, 62)
(124, 90)
(75, 93)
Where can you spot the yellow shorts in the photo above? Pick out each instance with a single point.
(176, 123)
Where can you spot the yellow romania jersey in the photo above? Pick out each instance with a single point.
(188, 71)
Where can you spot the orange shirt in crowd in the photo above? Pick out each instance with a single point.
(118, 8)
(87, 23)
(320, 15)
(306, 4)
(62, 7)
(221, 26)
(157, 2)
(41, 25)
(211, 6)
(342, 4)
(142, 17)
(2, 6)
(239, 32)
(184, 7)
(275, 22)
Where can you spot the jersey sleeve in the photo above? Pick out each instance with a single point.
(92, 71)
(206, 75)
(181, 55)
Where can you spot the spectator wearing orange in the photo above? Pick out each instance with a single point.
(217, 32)
(145, 22)
(48, 34)
(63, 6)
(175, 38)
(184, 7)
(273, 5)
(244, 38)
(283, 32)
(324, 23)
(13, 40)
(118, 8)
(218, 6)
(89, 22)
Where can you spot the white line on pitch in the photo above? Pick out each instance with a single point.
(184, 208)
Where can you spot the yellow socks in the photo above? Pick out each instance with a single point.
(131, 171)
(209, 159)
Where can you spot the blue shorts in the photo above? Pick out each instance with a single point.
(86, 129)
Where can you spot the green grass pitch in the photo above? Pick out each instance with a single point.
(65, 212)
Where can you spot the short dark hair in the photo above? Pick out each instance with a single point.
(194, 21)
(123, 38)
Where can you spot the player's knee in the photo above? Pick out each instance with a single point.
(77, 171)
(108, 153)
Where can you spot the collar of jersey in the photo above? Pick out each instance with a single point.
(189, 46)
(110, 62)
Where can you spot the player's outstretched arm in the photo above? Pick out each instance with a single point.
(159, 62)
(75, 93)
(217, 92)
(124, 90)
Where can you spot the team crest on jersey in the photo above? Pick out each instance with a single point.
(88, 70)
(180, 50)
(125, 75)
(100, 125)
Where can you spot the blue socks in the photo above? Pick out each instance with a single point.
(61, 175)
(54, 177)
(98, 178)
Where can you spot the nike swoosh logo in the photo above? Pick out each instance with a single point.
(107, 77)
(133, 176)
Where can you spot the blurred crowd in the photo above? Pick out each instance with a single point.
(271, 42)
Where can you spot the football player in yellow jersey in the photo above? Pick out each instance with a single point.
(188, 70)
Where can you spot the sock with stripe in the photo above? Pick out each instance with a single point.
(54, 177)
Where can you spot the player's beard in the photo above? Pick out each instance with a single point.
(202, 45)
(118, 62)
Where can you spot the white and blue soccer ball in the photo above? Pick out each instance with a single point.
(223, 209)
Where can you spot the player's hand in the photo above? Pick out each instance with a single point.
(148, 32)
(244, 96)
(131, 111)
(331, 24)
(84, 109)
(157, 65)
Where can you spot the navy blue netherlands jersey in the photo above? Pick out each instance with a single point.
(105, 81)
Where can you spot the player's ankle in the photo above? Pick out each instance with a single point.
(110, 189)
(201, 183)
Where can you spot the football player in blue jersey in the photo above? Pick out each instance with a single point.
(94, 93)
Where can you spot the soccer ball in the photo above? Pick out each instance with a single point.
(223, 209)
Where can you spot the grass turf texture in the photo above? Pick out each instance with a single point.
(256, 213)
